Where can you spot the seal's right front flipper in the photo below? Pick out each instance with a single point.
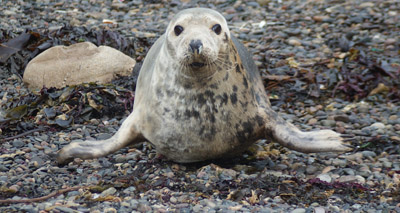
(308, 142)
(126, 135)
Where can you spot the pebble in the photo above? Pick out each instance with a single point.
(65, 209)
(311, 170)
(343, 118)
(107, 192)
(328, 123)
(325, 177)
(299, 210)
(367, 4)
(347, 179)
(18, 143)
(368, 153)
(294, 41)
(339, 162)
(319, 210)
(378, 125)
(312, 121)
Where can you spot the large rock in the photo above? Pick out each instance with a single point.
(79, 63)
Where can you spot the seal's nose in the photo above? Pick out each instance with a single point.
(196, 46)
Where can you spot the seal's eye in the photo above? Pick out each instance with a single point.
(216, 28)
(178, 29)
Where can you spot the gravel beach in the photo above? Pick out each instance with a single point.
(326, 64)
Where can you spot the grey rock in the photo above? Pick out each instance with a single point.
(311, 169)
(387, 164)
(319, 210)
(95, 64)
(65, 209)
(368, 153)
(349, 171)
(107, 192)
(339, 162)
(347, 179)
(343, 118)
(325, 177)
(18, 143)
(328, 123)
(377, 126)
(364, 171)
(299, 210)
(197, 208)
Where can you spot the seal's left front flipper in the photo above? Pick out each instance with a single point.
(308, 142)
(126, 135)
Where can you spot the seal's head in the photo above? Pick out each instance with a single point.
(197, 38)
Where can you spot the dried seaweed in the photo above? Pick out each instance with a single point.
(63, 107)
(361, 74)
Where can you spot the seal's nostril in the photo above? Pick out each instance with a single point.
(196, 46)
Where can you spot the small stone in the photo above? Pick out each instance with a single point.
(311, 170)
(339, 162)
(18, 143)
(320, 18)
(125, 204)
(281, 167)
(319, 210)
(367, 4)
(356, 206)
(328, 123)
(294, 41)
(173, 200)
(349, 171)
(14, 188)
(347, 179)
(390, 41)
(278, 199)
(395, 138)
(107, 192)
(325, 177)
(110, 210)
(119, 6)
(144, 208)
(197, 208)
(360, 179)
(387, 164)
(378, 125)
(353, 157)
(364, 171)
(292, 32)
(335, 208)
(368, 154)
(343, 118)
(210, 204)
(65, 209)
(299, 210)
(9, 13)
(312, 121)
(327, 169)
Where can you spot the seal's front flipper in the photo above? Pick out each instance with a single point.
(314, 141)
(126, 135)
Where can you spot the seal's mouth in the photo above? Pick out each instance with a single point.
(197, 65)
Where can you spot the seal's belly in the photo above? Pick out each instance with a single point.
(190, 133)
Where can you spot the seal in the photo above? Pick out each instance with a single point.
(199, 96)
